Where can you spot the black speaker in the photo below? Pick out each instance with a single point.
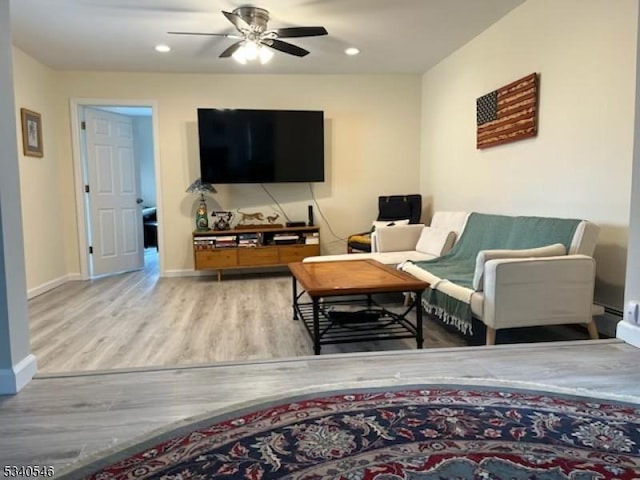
(310, 211)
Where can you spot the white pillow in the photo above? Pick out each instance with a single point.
(555, 250)
(388, 223)
(435, 241)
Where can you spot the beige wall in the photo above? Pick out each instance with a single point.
(579, 165)
(372, 147)
(42, 208)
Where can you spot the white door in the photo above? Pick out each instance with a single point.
(115, 217)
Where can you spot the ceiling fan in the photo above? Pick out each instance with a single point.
(253, 36)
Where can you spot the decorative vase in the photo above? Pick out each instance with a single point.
(202, 222)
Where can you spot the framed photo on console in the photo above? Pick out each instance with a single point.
(31, 133)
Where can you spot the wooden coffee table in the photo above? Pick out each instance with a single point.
(330, 319)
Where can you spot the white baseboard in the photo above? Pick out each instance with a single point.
(50, 285)
(629, 333)
(12, 380)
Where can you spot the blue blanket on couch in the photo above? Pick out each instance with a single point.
(487, 232)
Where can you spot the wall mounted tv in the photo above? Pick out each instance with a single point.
(261, 146)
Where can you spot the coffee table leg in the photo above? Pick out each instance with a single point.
(316, 326)
(294, 302)
(418, 307)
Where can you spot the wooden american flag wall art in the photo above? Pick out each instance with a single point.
(508, 114)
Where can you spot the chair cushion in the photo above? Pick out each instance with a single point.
(557, 249)
(366, 239)
(360, 242)
(435, 241)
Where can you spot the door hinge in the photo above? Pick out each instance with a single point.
(83, 125)
(91, 250)
(86, 189)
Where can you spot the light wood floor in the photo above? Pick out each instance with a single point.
(141, 320)
(189, 346)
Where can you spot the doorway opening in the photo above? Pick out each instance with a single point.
(118, 199)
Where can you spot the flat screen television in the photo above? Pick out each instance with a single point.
(261, 146)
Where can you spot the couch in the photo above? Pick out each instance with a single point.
(511, 272)
(501, 271)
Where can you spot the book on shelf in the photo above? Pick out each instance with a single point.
(287, 241)
(247, 236)
(311, 238)
(225, 238)
(248, 242)
(226, 243)
(285, 236)
(203, 244)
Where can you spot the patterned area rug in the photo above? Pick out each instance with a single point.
(412, 433)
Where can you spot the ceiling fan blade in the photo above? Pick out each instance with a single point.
(237, 21)
(230, 50)
(286, 47)
(296, 32)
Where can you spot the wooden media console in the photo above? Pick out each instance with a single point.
(253, 247)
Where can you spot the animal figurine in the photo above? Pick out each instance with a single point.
(259, 216)
(272, 218)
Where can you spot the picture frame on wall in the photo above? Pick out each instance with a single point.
(31, 133)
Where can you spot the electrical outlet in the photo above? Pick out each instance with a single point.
(633, 313)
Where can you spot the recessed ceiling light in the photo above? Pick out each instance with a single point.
(352, 51)
(163, 48)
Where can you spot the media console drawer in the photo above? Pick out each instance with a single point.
(257, 256)
(223, 257)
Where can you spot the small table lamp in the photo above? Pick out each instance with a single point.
(202, 222)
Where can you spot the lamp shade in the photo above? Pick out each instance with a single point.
(198, 187)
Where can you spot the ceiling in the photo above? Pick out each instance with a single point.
(402, 36)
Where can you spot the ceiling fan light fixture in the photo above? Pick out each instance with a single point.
(162, 48)
(265, 54)
(240, 56)
(351, 51)
(251, 50)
